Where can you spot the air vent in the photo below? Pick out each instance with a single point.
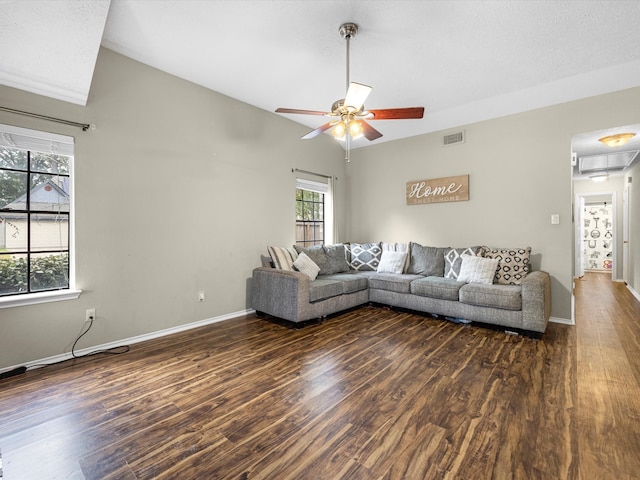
(453, 138)
(613, 162)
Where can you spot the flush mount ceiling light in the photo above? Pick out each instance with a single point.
(617, 140)
(349, 117)
(601, 177)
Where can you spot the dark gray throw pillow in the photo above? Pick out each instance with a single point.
(336, 259)
(427, 261)
(317, 254)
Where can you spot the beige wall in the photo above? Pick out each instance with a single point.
(179, 189)
(634, 230)
(520, 174)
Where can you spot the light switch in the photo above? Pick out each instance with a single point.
(555, 219)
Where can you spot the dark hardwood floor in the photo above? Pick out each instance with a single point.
(370, 394)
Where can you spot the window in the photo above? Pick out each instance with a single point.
(310, 212)
(35, 212)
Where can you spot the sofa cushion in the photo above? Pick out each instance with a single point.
(283, 257)
(305, 265)
(364, 256)
(426, 261)
(507, 297)
(351, 282)
(437, 287)
(477, 269)
(392, 282)
(322, 288)
(453, 259)
(392, 262)
(513, 264)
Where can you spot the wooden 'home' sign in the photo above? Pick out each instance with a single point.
(438, 190)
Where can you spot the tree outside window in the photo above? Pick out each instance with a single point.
(34, 221)
(309, 217)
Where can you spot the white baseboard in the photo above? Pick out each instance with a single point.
(129, 341)
(564, 321)
(633, 292)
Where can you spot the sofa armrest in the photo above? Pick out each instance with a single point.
(281, 293)
(536, 301)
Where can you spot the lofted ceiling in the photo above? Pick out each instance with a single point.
(463, 60)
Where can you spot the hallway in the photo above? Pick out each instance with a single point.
(608, 377)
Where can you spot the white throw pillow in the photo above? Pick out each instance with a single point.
(477, 269)
(398, 247)
(392, 262)
(305, 265)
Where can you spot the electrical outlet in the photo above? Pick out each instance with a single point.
(90, 315)
(201, 296)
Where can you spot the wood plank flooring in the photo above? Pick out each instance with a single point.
(372, 394)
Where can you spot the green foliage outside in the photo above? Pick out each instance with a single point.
(13, 171)
(47, 273)
(309, 205)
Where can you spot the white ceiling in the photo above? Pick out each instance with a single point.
(463, 60)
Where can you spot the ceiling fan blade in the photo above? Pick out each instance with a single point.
(369, 132)
(318, 131)
(397, 113)
(356, 95)
(303, 112)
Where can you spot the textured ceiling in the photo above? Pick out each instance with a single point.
(465, 61)
(50, 47)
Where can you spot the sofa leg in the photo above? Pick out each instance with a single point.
(260, 314)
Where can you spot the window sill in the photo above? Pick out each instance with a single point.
(35, 298)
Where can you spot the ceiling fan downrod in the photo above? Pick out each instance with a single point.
(348, 31)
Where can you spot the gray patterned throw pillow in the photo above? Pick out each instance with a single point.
(364, 256)
(453, 260)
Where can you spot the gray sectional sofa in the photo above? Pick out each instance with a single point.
(446, 282)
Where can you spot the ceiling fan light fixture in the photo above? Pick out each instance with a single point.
(339, 131)
(617, 140)
(356, 130)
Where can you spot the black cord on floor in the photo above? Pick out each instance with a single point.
(119, 350)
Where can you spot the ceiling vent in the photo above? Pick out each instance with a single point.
(453, 138)
(613, 162)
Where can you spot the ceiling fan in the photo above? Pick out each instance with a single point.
(349, 119)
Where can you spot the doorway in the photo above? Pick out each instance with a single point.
(599, 182)
(596, 234)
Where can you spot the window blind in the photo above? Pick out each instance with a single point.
(43, 142)
(311, 185)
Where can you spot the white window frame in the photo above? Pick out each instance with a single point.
(46, 142)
